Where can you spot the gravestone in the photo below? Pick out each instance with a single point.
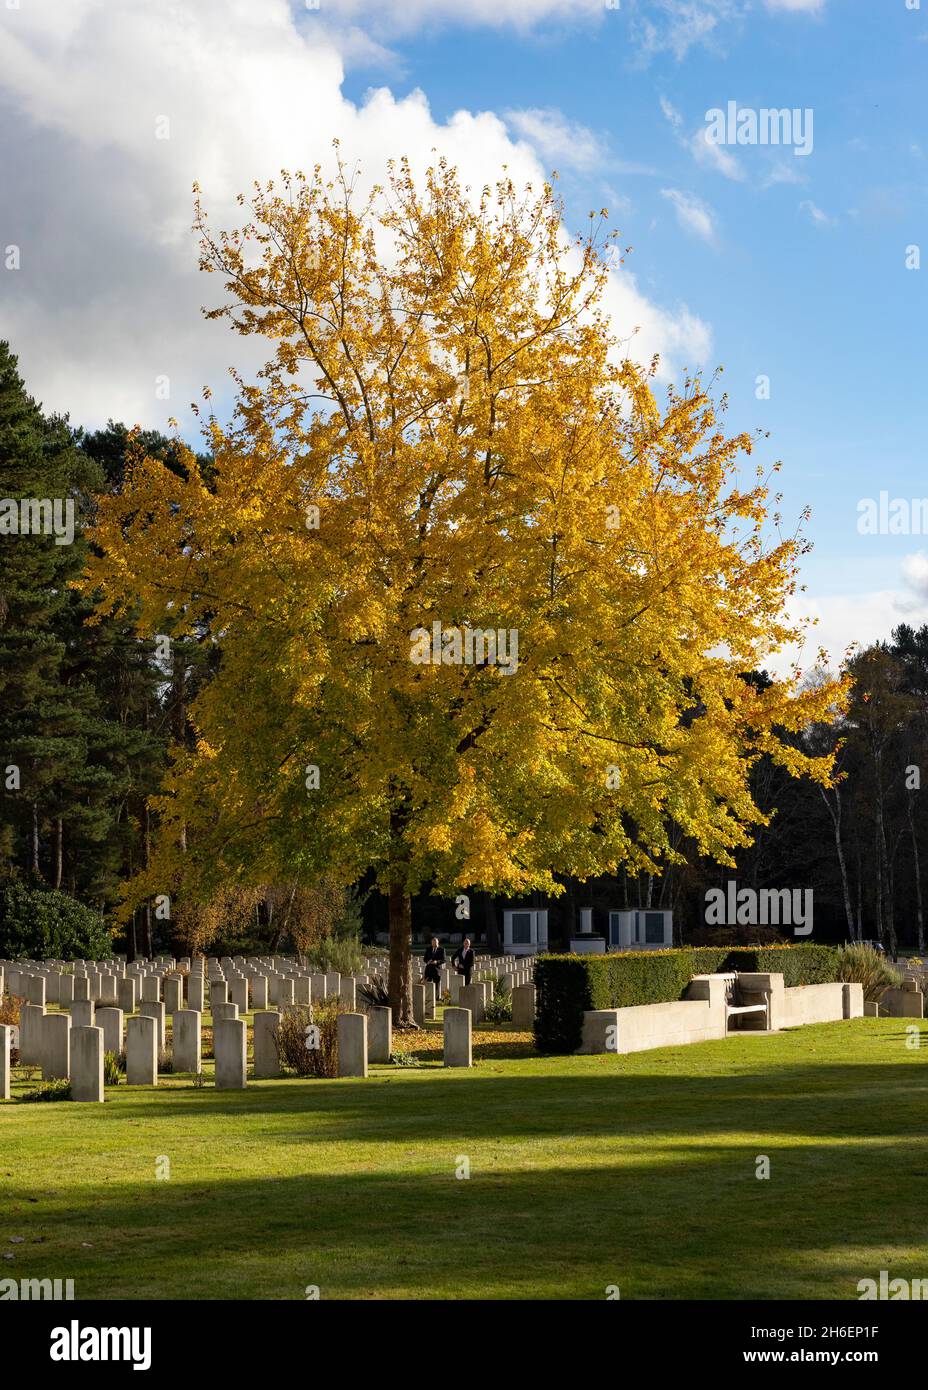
(471, 998)
(6, 1044)
(110, 1020)
(173, 994)
(186, 1041)
(347, 992)
(259, 993)
(125, 994)
(379, 1033)
(87, 1064)
(229, 1045)
(30, 1034)
(151, 989)
(352, 1044)
(238, 994)
(523, 1007)
(154, 1008)
(266, 1060)
(56, 1047)
(457, 1026)
(196, 992)
(142, 1050)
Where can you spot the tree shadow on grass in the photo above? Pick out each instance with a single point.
(700, 1226)
(826, 1100)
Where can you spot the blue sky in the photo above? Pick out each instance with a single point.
(751, 258)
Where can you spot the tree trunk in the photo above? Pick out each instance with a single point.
(37, 872)
(399, 985)
(490, 924)
(835, 813)
(59, 852)
(919, 913)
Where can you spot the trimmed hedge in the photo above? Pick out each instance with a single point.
(568, 985)
(42, 923)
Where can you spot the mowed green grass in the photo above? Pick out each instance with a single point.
(585, 1172)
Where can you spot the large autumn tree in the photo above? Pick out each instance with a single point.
(447, 431)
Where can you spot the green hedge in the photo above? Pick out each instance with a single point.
(566, 986)
(42, 923)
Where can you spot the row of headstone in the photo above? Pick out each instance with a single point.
(75, 1051)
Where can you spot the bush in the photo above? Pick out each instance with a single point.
(861, 965)
(110, 1069)
(42, 923)
(374, 994)
(499, 1009)
(335, 953)
(568, 985)
(291, 1038)
(48, 1090)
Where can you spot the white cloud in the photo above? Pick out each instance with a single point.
(560, 142)
(915, 573)
(704, 151)
(108, 297)
(713, 156)
(784, 171)
(692, 213)
(671, 113)
(815, 213)
(841, 620)
(408, 16)
(676, 26)
(796, 6)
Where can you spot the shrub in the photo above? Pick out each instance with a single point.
(568, 985)
(861, 965)
(291, 1038)
(499, 1009)
(48, 1090)
(42, 923)
(110, 1069)
(335, 953)
(374, 993)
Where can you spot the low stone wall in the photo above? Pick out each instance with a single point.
(701, 1016)
(812, 1004)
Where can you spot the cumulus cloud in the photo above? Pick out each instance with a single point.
(112, 112)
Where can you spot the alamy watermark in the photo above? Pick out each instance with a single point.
(892, 516)
(465, 646)
(732, 906)
(743, 125)
(38, 516)
(36, 1290)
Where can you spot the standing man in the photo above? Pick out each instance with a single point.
(463, 960)
(434, 960)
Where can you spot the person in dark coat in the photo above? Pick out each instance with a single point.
(463, 960)
(434, 960)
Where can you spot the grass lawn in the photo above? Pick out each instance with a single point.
(584, 1172)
